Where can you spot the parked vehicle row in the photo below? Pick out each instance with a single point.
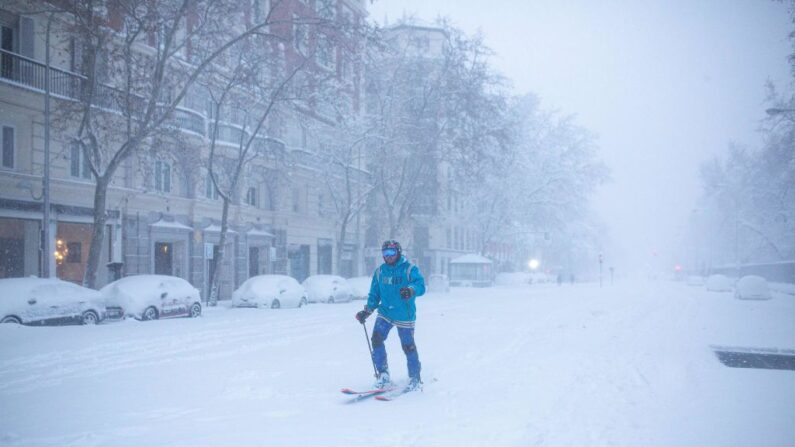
(50, 301)
(43, 301)
(750, 287)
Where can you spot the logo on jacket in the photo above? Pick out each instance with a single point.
(392, 280)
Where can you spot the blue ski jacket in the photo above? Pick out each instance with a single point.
(385, 291)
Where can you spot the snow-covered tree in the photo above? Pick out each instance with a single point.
(431, 103)
(138, 60)
(543, 184)
(259, 85)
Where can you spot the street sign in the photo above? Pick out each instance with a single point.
(208, 250)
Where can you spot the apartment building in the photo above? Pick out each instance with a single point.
(163, 211)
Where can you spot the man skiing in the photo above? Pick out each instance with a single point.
(393, 291)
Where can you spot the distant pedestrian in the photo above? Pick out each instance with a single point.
(560, 278)
(571, 279)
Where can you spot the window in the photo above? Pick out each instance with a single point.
(162, 176)
(296, 201)
(301, 37)
(9, 145)
(347, 15)
(304, 137)
(79, 164)
(260, 10)
(326, 9)
(74, 252)
(209, 190)
(17, 33)
(251, 196)
(325, 52)
(321, 205)
(253, 261)
(269, 199)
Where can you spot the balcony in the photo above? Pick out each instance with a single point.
(27, 73)
(230, 134)
(188, 120)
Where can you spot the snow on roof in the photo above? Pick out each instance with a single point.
(471, 258)
(173, 225)
(255, 232)
(217, 229)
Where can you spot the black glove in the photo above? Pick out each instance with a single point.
(362, 315)
(406, 293)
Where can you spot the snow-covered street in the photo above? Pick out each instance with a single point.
(577, 365)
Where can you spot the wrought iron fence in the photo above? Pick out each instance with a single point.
(32, 74)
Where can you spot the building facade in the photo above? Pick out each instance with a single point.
(164, 213)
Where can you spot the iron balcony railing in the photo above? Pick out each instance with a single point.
(230, 134)
(29, 73)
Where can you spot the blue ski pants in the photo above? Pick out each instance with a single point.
(380, 333)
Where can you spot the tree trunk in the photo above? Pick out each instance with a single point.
(214, 286)
(341, 244)
(98, 232)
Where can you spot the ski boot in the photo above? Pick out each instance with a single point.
(415, 384)
(383, 381)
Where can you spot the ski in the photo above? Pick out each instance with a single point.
(362, 395)
(386, 397)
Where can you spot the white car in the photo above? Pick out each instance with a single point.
(360, 286)
(719, 283)
(752, 287)
(695, 280)
(327, 289)
(42, 301)
(150, 297)
(274, 291)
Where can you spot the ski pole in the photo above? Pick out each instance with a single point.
(370, 348)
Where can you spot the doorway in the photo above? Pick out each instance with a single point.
(164, 258)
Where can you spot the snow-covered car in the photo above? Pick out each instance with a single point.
(752, 287)
(274, 291)
(327, 289)
(719, 283)
(150, 297)
(438, 283)
(695, 280)
(42, 301)
(360, 287)
(540, 278)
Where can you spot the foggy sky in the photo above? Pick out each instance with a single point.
(665, 84)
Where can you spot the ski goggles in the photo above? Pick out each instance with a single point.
(389, 252)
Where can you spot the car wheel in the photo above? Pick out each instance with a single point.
(303, 302)
(195, 310)
(276, 304)
(149, 314)
(90, 317)
(11, 319)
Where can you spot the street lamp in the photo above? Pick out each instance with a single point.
(533, 264)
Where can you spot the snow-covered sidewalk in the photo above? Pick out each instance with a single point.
(628, 365)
